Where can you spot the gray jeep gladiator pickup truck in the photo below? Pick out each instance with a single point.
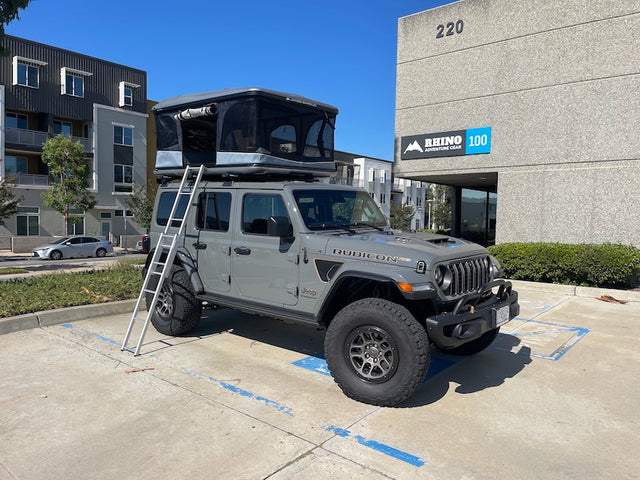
(266, 235)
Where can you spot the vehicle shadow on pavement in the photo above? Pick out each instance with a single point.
(487, 369)
(307, 340)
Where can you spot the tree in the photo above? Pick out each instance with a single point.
(401, 216)
(8, 13)
(70, 172)
(441, 211)
(8, 202)
(141, 205)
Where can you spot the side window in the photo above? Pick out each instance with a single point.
(283, 140)
(76, 241)
(256, 210)
(165, 204)
(213, 211)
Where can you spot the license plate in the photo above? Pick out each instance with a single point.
(502, 315)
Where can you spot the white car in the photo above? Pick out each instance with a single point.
(68, 247)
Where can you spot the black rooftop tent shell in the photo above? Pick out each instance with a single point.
(243, 132)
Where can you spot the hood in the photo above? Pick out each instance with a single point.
(402, 249)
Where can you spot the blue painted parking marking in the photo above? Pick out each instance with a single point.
(377, 446)
(549, 341)
(319, 365)
(315, 364)
(239, 391)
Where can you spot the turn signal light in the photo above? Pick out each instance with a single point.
(405, 287)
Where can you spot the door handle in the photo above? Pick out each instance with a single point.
(242, 251)
(199, 246)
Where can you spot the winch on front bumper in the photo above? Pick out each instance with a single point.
(474, 314)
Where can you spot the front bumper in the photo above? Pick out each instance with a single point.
(40, 253)
(475, 314)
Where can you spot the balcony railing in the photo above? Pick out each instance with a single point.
(34, 138)
(31, 138)
(30, 179)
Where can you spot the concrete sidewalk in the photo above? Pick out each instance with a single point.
(244, 397)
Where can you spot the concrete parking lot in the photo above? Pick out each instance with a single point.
(556, 396)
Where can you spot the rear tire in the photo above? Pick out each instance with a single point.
(177, 311)
(101, 252)
(475, 346)
(377, 352)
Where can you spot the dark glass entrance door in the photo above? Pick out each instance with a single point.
(478, 216)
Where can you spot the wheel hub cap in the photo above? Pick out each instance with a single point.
(372, 353)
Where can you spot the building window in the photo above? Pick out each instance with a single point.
(17, 120)
(383, 198)
(123, 135)
(72, 81)
(126, 94)
(28, 220)
(122, 178)
(120, 213)
(76, 222)
(105, 215)
(15, 165)
(26, 72)
(74, 85)
(62, 128)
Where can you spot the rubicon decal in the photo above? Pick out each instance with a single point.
(446, 144)
(381, 257)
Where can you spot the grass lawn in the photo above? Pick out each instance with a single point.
(48, 292)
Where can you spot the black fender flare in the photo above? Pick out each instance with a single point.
(184, 260)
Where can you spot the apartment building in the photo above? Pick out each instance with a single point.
(376, 177)
(46, 91)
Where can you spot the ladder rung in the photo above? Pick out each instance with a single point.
(129, 349)
(146, 290)
(156, 273)
(160, 264)
(140, 319)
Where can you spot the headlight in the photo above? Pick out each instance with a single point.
(495, 268)
(442, 276)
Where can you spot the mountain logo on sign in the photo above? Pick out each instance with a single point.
(414, 147)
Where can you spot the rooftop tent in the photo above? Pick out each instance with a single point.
(245, 131)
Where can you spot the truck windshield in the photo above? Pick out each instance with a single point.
(331, 209)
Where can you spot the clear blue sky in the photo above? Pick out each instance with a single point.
(338, 52)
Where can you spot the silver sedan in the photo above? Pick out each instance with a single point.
(68, 247)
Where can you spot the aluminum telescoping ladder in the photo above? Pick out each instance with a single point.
(167, 246)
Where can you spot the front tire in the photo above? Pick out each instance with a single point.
(377, 352)
(177, 311)
(55, 255)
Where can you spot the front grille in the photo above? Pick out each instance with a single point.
(465, 276)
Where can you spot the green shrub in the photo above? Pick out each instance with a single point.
(607, 265)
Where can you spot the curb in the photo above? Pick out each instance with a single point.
(63, 315)
(574, 291)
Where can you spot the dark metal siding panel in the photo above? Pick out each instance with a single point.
(101, 87)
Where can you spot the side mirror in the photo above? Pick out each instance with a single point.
(278, 226)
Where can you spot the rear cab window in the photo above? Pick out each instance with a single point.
(165, 204)
(214, 209)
